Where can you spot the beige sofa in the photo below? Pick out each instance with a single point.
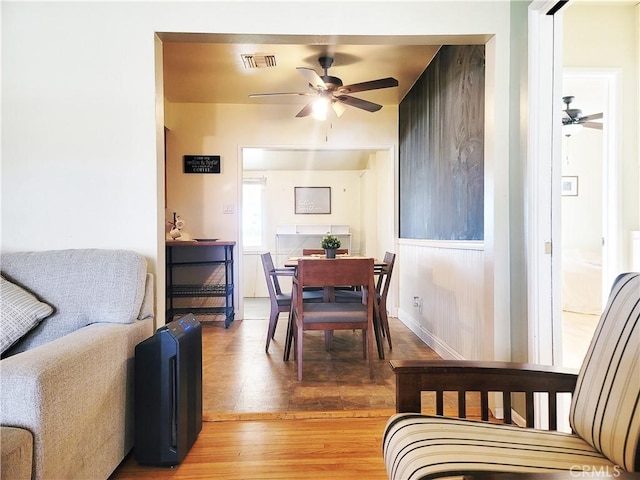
(66, 386)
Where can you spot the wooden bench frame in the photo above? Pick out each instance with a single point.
(439, 376)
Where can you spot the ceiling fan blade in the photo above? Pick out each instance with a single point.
(596, 125)
(312, 77)
(588, 118)
(306, 111)
(338, 108)
(301, 94)
(359, 103)
(370, 85)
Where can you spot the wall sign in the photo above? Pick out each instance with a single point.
(202, 164)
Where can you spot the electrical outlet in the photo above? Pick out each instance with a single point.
(416, 302)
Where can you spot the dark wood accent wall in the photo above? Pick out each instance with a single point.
(441, 125)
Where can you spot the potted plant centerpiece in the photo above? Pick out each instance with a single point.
(330, 243)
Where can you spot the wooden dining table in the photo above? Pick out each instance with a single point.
(378, 269)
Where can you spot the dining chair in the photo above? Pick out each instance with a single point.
(329, 316)
(319, 251)
(603, 415)
(380, 319)
(382, 291)
(280, 301)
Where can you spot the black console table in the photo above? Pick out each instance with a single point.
(200, 270)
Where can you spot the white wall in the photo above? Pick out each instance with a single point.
(279, 210)
(80, 122)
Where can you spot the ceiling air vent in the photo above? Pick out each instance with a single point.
(258, 60)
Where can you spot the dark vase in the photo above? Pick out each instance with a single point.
(331, 252)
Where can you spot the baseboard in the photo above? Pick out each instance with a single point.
(437, 345)
(518, 419)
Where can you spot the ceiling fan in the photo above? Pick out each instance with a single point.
(331, 92)
(573, 116)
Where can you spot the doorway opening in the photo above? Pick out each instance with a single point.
(590, 251)
(361, 182)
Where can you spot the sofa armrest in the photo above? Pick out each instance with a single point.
(439, 376)
(75, 395)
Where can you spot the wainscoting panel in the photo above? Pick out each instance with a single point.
(448, 280)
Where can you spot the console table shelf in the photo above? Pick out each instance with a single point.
(200, 290)
(200, 269)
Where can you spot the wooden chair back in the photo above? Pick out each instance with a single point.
(334, 272)
(384, 276)
(273, 285)
(280, 302)
(382, 291)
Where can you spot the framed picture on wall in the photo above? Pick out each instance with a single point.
(312, 200)
(569, 186)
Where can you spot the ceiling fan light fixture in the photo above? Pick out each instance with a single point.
(320, 108)
(331, 92)
(571, 129)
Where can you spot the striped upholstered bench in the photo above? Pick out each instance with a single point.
(604, 414)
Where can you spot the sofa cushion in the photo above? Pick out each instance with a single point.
(84, 286)
(424, 446)
(20, 311)
(604, 408)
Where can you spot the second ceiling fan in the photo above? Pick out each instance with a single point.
(574, 116)
(330, 91)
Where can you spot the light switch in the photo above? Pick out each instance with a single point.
(228, 209)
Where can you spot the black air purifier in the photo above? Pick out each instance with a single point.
(168, 393)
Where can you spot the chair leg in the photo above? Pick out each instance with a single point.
(271, 331)
(378, 330)
(328, 339)
(289, 338)
(385, 326)
(299, 351)
(369, 345)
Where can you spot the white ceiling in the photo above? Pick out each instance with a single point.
(208, 68)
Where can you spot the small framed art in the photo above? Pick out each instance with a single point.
(312, 200)
(569, 186)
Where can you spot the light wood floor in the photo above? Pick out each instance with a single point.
(261, 423)
(577, 332)
(333, 448)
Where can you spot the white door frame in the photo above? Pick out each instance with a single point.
(543, 145)
(544, 150)
(544, 157)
